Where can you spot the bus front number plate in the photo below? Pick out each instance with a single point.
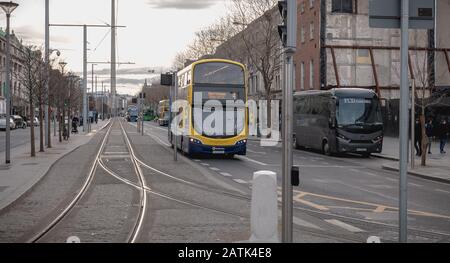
(361, 150)
(218, 151)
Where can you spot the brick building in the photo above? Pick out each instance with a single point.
(337, 48)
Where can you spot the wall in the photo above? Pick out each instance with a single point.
(354, 66)
(442, 41)
(309, 49)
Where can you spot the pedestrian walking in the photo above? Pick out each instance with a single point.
(443, 131)
(418, 138)
(429, 127)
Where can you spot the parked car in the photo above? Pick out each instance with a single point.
(12, 125)
(19, 122)
(36, 122)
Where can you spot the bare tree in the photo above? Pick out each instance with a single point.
(426, 94)
(29, 78)
(41, 99)
(259, 21)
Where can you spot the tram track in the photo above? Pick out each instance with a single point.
(310, 212)
(87, 184)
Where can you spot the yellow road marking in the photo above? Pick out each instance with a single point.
(413, 212)
(311, 204)
(380, 209)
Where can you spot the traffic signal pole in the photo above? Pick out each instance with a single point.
(288, 35)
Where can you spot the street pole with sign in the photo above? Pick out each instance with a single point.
(403, 14)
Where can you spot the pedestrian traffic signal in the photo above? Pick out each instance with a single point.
(288, 28)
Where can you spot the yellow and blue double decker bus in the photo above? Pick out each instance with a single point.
(215, 118)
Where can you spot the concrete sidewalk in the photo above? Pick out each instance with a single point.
(24, 171)
(438, 165)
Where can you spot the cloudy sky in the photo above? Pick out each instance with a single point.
(155, 31)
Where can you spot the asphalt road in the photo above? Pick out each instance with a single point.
(207, 199)
(348, 193)
(19, 137)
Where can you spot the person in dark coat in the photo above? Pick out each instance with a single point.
(429, 127)
(418, 138)
(442, 132)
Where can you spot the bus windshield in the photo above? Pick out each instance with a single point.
(219, 73)
(358, 111)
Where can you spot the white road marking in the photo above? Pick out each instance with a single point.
(251, 151)
(251, 160)
(371, 174)
(214, 169)
(326, 166)
(391, 179)
(240, 181)
(197, 160)
(226, 174)
(416, 185)
(301, 222)
(344, 226)
(204, 164)
(442, 191)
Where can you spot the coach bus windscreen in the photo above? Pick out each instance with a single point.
(219, 73)
(358, 111)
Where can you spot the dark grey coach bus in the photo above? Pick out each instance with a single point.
(345, 120)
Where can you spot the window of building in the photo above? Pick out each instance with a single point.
(342, 6)
(311, 3)
(311, 30)
(363, 56)
(302, 34)
(311, 74)
(277, 82)
(302, 7)
(302, 76)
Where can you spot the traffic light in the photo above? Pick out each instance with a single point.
(288, 28)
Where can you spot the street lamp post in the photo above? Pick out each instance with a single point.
(8, 7)
(62, 123)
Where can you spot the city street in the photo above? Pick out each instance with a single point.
(204, 199)
(19, 137)
(235, 121)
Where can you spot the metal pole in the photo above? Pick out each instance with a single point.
(288, 101)
(413, 123)
(85, 122)
(69, 110)
(113, 56)
(142, 114)
(8, 91)
(103, 95)
(404, 101)
(175, 87)
(47, 128)
(287, 148)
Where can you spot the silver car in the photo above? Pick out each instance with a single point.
(12, 125)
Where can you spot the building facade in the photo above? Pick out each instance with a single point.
(259, 41)
(337, 48)
(17, 92)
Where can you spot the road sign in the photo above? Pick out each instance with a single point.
(387, 14)
(166, 79)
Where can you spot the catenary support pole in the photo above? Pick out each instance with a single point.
(404, 101)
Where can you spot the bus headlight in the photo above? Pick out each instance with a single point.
(241, 142)
(192, 140)
(378, 139)
(342, 137)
